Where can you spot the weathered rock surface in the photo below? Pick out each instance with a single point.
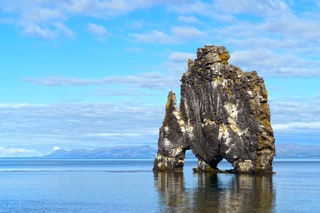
(223, 114)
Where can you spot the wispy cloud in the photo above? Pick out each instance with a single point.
(152, 37)
(42, 19)
(39, 18)
(177, 63)
(188, 19)
(191, 7)
(177, 35)
(274, 46)
(98, 8)
(112, 134)
(153, 80)
(293, 110)
(298, 126)
(271, 63)
(70, 126)
(127, 92)
(17, 152)
(260, 8)
(58, 29)
(98, 30)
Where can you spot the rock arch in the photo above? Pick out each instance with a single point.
(223, 114)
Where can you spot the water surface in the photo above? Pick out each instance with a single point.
(49, 185)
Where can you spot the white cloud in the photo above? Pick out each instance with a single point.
(125, 92)
(181, 57)
(63, 30)
(177, 63)
(17, 152)
(97, 29)
(72, 126)
(297, 126)
(269, 63)
(98, 8)
(14, 106)
(188, 19)
(177, 34)
(283, 44)
(259, 8)
(57, 30)
(56, 148)
(152, 80)
(42, 19)
(293, 110)
(38, 31)
(274, 33)
(153, 36)
(186, 33)
(113, 134)
(192, 7)
(41, 14)
(107, 9)
(39, 18)
(282, 26)
(274, 46)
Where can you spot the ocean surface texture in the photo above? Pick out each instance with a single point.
(50, 185)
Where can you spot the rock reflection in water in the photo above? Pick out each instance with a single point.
(171, 189)
(215, 193)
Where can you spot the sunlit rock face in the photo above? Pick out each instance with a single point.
(223, 114)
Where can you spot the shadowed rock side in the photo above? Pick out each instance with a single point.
(223, 114)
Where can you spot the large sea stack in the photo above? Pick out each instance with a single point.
(223, 114)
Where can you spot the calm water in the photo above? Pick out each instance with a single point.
(130, 186)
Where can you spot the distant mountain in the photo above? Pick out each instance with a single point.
(284, 151)
(117, 152)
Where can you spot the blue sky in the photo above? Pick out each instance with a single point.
(87, 73)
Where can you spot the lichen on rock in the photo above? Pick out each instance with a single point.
(223, 114)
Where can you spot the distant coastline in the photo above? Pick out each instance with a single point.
(284, 151)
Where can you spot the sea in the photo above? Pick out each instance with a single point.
(102, 185)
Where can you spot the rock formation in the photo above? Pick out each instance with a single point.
(223, 114)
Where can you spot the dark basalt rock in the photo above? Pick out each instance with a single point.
(223, 114)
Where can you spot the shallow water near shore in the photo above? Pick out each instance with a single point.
(51, 185)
